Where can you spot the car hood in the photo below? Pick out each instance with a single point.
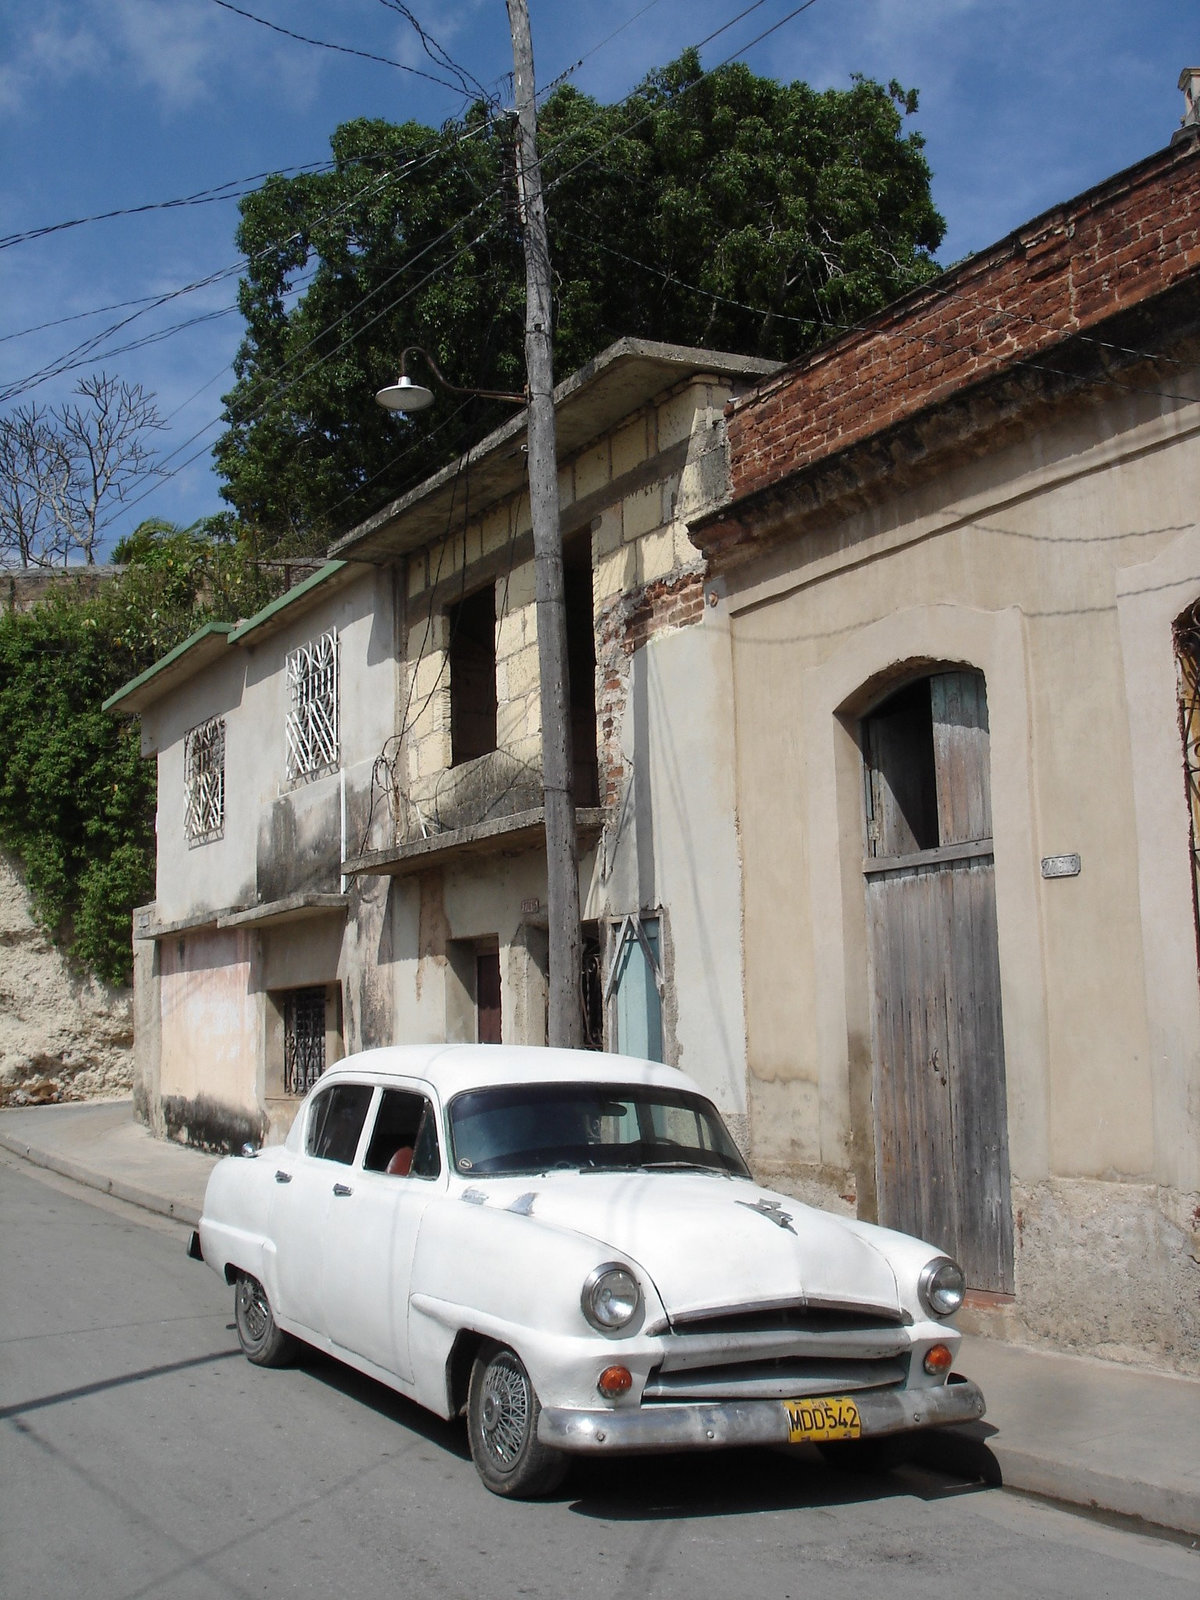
(709, 1242)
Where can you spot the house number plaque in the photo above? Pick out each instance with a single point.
(1060, 866)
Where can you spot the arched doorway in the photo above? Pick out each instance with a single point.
(938, 1091)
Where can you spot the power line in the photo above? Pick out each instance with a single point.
(82, 353)
(436, 52)
(343, 49)
(89, 346)
(926, 340)
(220, 191)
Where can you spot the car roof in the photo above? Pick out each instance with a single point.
(451, 1068)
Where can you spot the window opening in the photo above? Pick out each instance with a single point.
(404, 1139)
(336, 1122)
(473, 676)
(1187, 654)
(926, 761)
(634, 987)
(581, 665)
(312, 719)
(204, 782)
(303, 1039)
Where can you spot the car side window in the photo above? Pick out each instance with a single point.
(404, 1138)
(336, 1122)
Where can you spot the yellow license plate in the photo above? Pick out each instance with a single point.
(831, 1417)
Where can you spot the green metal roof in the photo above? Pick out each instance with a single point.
(299, 591)
(199, 648)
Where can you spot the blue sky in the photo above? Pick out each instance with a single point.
(109, 104)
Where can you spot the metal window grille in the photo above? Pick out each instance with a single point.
(204, 782)
(312, 721)
(303, 1040)
(1187, 654)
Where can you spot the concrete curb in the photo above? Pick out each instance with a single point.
(975, 1451)
(179, 1211)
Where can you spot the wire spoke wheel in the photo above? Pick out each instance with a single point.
(505, 1412)
(502, 1413)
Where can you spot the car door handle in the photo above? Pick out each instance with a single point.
(281, 1176)
(342, 1189)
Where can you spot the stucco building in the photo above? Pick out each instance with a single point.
(960, 565)
(351, 842)
(886, 690)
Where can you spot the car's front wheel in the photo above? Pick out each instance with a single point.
(261, 1340)
(502, 1417)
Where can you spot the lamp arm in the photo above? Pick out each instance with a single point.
(480, 394)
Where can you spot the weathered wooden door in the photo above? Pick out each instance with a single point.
(940, 1108)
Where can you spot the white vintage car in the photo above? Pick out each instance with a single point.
(568, 1247)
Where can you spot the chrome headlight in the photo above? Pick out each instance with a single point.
(611, 1297)
(942, 1286)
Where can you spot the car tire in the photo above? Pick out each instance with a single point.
(869, 1456)
(502, 1417)
(261, 1340)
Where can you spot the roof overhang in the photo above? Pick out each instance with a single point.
(588, 404)
(201, 648)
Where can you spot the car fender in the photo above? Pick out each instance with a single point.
(234, 1223)
(518, 1281)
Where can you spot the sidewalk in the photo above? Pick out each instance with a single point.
(1091, 1433)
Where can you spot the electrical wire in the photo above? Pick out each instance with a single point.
(468, 82)
(343, 49)
(202, 197)
(89, 346)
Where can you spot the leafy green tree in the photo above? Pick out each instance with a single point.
(76, 797)
(723, 210)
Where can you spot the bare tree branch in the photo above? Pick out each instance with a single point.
(66, 472)
(35, 475)
(105, 438)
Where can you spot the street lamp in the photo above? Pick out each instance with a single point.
(406, 396)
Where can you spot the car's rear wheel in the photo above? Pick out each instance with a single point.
(881, 1454)
(261, 1340)
(502, 1417)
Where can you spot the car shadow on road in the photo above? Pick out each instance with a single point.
(947, 1463)
(740, 1482)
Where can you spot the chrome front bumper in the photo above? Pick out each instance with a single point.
(725, 1424)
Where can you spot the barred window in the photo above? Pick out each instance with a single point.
(303, 1039)
(204, 782)
(312, 721)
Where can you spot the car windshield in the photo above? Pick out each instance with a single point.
(588, 1127)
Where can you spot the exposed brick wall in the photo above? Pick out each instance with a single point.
(1068, 270)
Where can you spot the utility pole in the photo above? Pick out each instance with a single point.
(558, 783)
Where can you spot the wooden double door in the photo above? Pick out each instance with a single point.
(940, 1106)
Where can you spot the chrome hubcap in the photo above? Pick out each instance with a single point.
(252, 1302)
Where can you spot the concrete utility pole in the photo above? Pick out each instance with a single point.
(558, 782)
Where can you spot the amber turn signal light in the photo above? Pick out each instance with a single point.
(614, 1381)
(938, 1360)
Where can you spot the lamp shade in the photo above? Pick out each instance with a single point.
(404, 395)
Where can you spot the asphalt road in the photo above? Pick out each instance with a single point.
(144, 1457)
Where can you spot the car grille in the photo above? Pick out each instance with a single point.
(781, 1351)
